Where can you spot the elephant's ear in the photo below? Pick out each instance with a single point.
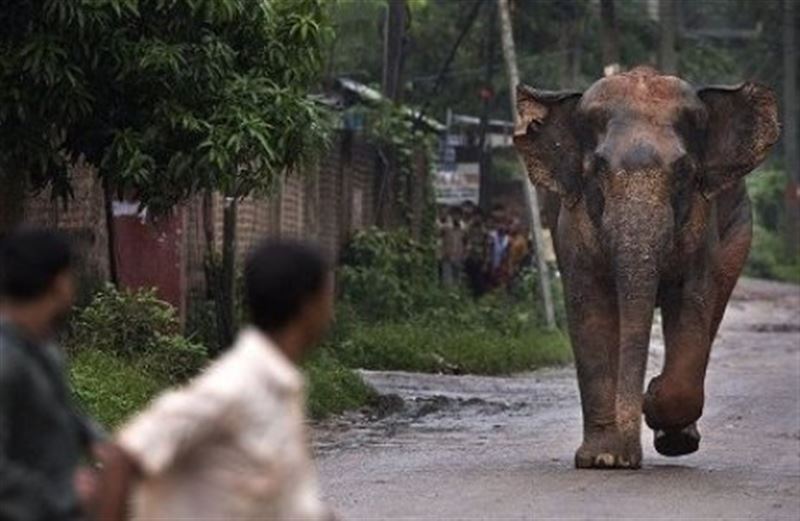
(742, 126)
(545, 137)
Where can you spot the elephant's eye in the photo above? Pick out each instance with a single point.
(683, 167)
(601, 165)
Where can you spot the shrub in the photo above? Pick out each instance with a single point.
(136, 326)
(387, 274)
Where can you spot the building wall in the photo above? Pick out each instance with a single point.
(81, 217)
(327, 202)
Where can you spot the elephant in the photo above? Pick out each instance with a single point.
(644, 180)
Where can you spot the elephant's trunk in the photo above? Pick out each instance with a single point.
(640, 239)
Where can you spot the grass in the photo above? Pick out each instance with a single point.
(411, 346)
(112, 389)
(333, 388)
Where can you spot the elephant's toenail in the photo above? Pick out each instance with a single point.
(604, 460)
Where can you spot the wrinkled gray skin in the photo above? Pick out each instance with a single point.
(645, 180)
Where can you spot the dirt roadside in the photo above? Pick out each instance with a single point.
(466, 447)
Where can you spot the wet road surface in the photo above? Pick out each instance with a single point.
(467, 447)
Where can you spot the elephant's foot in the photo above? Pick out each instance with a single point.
(608, 450)
(671, 405)
(677, 442)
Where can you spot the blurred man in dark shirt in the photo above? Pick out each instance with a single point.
(42, 436)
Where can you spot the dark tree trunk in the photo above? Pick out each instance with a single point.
(569, 47)
(609, 37)
(12, 198)
(227, 295)
(668, 20)
(790, 131)
(391, 83)
(394, 39)
(108, 198)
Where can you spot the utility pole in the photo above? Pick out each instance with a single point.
(509, 54)
(609, 37)
(668, 26)
(394, 36)
(391, 84)
(790, 132)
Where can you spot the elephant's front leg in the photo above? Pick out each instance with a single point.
(674, 399)
(594, 331)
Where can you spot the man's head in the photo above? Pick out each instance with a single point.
(289, 290)
(37, 289)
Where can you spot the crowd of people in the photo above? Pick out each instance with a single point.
(484, 250)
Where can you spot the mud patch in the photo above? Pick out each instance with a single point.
(785, 327)
(390, 418)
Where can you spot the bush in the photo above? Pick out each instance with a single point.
(387, 274)
(394, 315)
(126, 348)
(137, 327)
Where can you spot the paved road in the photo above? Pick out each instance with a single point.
(464, 447)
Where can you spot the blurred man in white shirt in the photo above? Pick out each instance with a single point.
(232, 444)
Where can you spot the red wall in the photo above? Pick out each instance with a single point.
(150, 254)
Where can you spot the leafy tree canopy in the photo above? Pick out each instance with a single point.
(164, 97)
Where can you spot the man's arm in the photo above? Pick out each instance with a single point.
(170, 427)
(175, 423)
(120, 472)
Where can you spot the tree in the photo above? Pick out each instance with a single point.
(164, 99)
(509, 55)
(608, 33)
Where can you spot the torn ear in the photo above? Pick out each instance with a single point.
(741, 128)
(544, 135)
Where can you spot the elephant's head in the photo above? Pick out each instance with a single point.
(640, 148)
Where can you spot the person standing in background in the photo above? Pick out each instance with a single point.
(453, 238)
(43, 436)
(518, 250)
(498, 252)
(475, 253)
(232, 444)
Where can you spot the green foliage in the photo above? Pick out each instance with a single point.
(402, 140)
(136, 326)
(387, 274)
(165, 98)
(333, 388)
(452, 348)
(394, 314)
(111, 388)
(769, 257)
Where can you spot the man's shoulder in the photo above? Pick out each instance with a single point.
(13, 361)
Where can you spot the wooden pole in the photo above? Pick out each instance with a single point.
(509, 54)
